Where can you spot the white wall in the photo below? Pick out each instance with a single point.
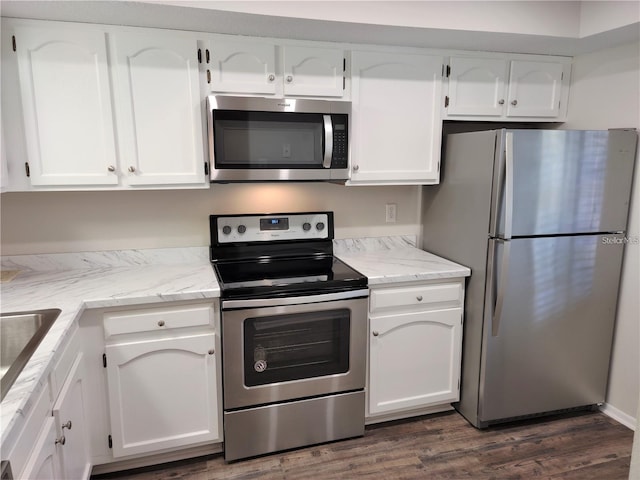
(558, 18)
(600, 16)
(605, 93)
(51, 222)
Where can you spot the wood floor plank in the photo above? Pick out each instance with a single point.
(441, 446)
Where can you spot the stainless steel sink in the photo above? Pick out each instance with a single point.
(20, 335)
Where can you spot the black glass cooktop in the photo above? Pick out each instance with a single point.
(278, 277)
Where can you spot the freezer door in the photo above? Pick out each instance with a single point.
(548, 328)
(563, 181)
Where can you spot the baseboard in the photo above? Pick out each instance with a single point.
(619, 416)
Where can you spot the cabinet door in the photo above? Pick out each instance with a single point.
(313, 71)
(162, 393)
(534, 89)
(157, 94)
(477, 86)
(243, 67)
(414, 360)
(66, 101)
(71, 423)
(396, 126)
(44, 462)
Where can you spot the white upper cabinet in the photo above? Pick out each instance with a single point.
(313, 71)
(396, 127)
(507, 89)
(477, 86)
(241, 66)
(66, 102)
(534, 89)
(158, 108)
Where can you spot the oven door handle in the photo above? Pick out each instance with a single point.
(276, 302)
(328, 141)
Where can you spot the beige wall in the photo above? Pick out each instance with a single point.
(605, 93)
(48, 222)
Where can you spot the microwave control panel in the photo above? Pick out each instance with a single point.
(340, 142)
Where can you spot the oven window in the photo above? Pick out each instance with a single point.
(288, 347)
(267, 139)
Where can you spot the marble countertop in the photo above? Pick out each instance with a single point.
(74, 282)
(394, 260)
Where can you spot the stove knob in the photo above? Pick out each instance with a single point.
(306, 226)
(320, 226)
(226, 229)
(242, 229)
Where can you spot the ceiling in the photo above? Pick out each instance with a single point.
(203, 16)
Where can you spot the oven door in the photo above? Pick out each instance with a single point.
(285, 352)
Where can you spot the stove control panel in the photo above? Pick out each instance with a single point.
(269, 228)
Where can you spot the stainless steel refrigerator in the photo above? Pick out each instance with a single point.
(540, 217)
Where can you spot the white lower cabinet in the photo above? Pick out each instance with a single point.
(44, 462)
(54, 442)
(162, 378)
(162, 393)
(71, 424)
(415, 340)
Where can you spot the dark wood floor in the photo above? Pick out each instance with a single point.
(444, 446)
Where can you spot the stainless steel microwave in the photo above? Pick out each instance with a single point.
(268, 139)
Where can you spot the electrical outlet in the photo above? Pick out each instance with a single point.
(391, 212)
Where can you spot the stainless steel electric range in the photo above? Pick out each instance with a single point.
(294, 329)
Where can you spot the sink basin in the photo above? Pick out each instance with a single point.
(20, 335)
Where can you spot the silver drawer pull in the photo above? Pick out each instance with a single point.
(211, 352)
(419, 298)
(67, 425)
(61, 440)
(161, 323)
(375, 333)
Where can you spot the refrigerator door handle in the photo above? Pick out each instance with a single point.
(498, 182)
(508, 185)
(502, 283)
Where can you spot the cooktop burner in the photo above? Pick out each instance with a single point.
(275, 255)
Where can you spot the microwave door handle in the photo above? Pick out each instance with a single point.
(328, 141)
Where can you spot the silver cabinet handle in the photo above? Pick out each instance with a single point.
(501, 101)
(289, 79)
(161, 323)
(419, 298)
(375, 333)
(271, 77)
(67, 425)
(328, 141)
(356, 168)
(61, 440)
(211, 352)
(111, 168)
(132, 169)
(514, 102)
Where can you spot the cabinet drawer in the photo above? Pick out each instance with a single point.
(157, 319)
(416, 296)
